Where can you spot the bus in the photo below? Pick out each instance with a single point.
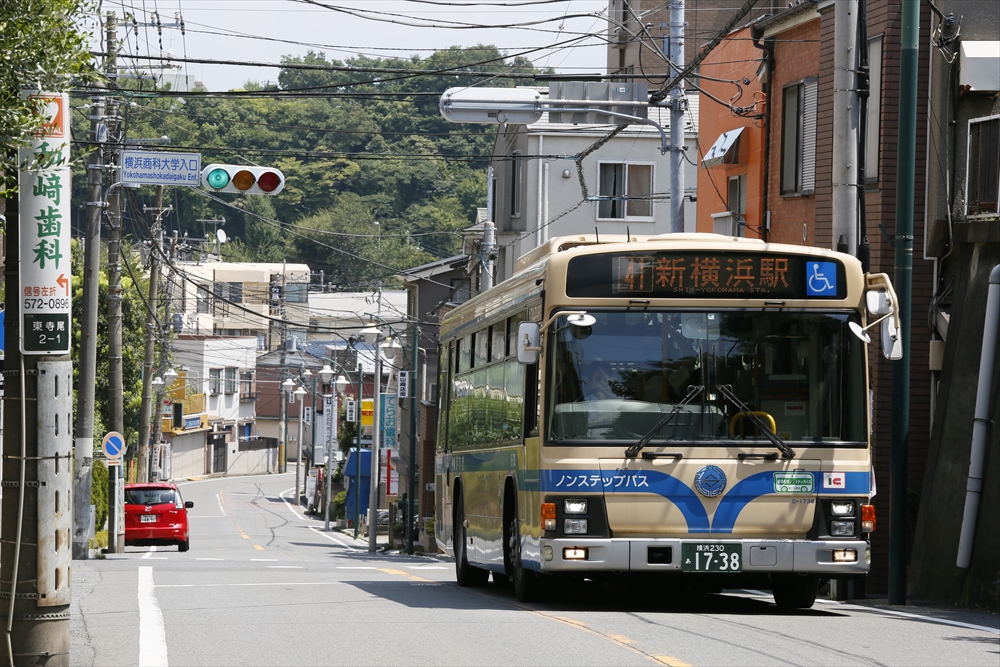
(686, 406)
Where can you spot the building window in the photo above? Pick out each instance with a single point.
(220, 304)
(236, 292)
(204, 299)
(297, 293)
(516, 163)
(231, 380)
(214, 381)
(246, 383)
(983, 171)
(626, 191)
(798, 138)
(874, 116)
(735, 223)
(460, 290)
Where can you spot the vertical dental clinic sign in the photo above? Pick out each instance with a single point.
(46, 274)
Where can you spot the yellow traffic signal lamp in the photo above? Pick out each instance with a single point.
(242, 179)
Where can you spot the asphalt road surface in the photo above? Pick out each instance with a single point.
(265, 585)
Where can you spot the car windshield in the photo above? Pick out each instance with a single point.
(800, 373)
(150, 496)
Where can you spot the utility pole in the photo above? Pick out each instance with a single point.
(36, 514)
(412, 486)
(283, 408)
(678, 105)
(157, 426)
(84, 440)
(903, 280)
(151, 329)
(846, 125)
(488, 252)
(116, 407)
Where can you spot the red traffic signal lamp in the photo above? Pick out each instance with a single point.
(243, 179)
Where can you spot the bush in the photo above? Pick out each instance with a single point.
(99, 493)
(340, 505)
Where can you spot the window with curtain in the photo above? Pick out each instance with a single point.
(625, 190)
(798, 138)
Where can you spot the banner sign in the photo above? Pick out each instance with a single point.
(46, 275)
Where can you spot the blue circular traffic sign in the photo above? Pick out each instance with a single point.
(113, 445)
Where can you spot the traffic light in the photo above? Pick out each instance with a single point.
(242, 179)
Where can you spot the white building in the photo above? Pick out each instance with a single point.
(536, 192)
(209, 416)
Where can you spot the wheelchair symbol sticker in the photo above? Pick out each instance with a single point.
(821, 279)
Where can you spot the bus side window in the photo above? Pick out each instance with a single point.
(530, 400)
(444, 395)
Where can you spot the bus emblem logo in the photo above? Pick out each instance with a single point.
(710, 481)
(793, 482)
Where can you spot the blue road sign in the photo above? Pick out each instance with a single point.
(113, 445)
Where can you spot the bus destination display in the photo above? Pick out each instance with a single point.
(705, 274)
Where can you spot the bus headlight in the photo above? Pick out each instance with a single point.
(842, 528)
(575, 526)
(842, 507)
(575, 506)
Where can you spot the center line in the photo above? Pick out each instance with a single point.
(150, 552)
(152, 635)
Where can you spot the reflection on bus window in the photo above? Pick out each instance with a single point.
(616, 379)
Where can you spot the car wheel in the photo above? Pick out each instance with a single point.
(465, 574)
(794, 591)
(185, 545)
(528, 585)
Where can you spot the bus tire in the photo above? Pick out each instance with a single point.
(528, 585)
(465, 574)
(793, 591)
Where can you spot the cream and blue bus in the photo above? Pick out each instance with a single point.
(689, 406)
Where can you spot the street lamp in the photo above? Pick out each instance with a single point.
(374, 337)
(287, 386)
(300, 392)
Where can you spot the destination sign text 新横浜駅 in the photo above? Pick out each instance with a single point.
(695, 273)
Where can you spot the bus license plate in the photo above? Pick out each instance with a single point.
(711, 557)
(148, 518)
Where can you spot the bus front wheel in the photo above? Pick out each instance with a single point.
(465, 574)
(793, 591)
(528, 585)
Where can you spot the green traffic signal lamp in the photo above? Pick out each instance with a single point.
(242, 179)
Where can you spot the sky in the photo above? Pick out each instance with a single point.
(265, 30)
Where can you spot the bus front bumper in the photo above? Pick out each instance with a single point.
(833, 558)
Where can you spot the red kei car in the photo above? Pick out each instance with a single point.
(155, 514)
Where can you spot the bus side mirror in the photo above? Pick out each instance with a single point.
(527, 342)
(880, 299)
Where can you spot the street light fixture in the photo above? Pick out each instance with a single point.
(300, 392)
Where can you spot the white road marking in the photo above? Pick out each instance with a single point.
(264, 560)
(289, 505)
(222, 507)
(285, 567)
(333, 538)
(919, 617)
(150, 552)
(276, 583)
(152, 635)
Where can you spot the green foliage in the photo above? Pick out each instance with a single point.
(99, 493)
(375, 150)
(134, 316)
(43, 48)
(340, 505)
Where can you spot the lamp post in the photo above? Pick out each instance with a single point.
(374, 337)
(300, 392)
(326, 374)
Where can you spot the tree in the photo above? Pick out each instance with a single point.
(43, 48)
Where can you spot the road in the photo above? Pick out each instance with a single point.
(264, 585)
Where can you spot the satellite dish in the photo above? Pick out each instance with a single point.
(221, 235)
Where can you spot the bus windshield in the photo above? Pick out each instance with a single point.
(800, 373)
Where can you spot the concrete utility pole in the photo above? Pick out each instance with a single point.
(151, 328)
(283, 408)
(846, 125)
(84, 441)
(157, 426)
(489, 253)
(116, 407)
(678, 105)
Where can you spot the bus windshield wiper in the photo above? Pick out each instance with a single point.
(634, 450)
(727, 391)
